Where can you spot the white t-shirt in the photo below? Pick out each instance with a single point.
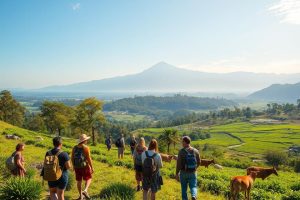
(157, 158)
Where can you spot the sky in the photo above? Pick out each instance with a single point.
(60, 42)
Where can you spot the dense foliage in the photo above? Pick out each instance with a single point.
(150, 104)
(11, 111)
(20, 189)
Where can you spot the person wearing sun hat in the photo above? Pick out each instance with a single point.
(82, 163)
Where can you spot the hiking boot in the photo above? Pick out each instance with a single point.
(86, 195)
(194, 198)
(138, 188)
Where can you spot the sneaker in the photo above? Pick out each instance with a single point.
(86, 195)
(194, 198)
(138, 188)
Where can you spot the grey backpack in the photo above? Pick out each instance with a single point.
(10, 162)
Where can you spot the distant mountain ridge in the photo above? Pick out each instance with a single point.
(164, 77)
(279, 92)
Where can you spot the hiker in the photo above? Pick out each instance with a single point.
(120, 143)
(152, 163)
(138, 164)
(15, 163)
(55, 170)
(133, 143)
(108, 143)
(82, 163)
(187, 163)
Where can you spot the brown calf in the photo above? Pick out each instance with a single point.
(261, 172)
(241, 184)
(206, 163)
(166, 157)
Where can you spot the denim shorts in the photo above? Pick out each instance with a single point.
(61, 183)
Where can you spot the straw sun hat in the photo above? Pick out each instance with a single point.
(83, 138)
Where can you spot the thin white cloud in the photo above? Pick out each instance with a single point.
(76, 6)
(278, 67)
(288, 10)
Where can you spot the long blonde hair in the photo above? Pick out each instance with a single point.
(142, 143)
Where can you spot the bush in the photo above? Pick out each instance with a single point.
(291, 196)
(21, 189)
(295, 187)
(30, 142)
(259, 194)
(97, 152)
(30, 173)
(118, 191)
(40, 145)
(276, 158)
(297, 166)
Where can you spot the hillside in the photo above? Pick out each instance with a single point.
(164, 77)
(279, 92)
(108, 169)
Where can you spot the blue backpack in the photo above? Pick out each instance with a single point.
(190, 160)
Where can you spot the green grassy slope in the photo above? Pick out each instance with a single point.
(105, 173)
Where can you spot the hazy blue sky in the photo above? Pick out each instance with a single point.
(59, 42)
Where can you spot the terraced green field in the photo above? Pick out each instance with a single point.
(248, 137)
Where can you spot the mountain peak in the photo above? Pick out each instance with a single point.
(161, 67)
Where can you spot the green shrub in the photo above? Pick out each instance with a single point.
(295, 187)
(271, 186)
(291, 196)
(118, 191)
(97, 152)
(40, 145)
(276, 158)
(30, 173)
(21, 189)
(30, 142)
(259, 194)
(214, 186)
(119, 163)
(297, 166)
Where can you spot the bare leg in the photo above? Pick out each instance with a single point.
(61, 194)
(87, 184)
(79, 188)
(152, 196)
(145, 194)
(53, 195)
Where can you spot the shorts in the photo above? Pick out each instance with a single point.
(61, 183)
(83, 174)
(121, 150)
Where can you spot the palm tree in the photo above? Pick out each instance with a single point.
(176, 137)
(166, 138)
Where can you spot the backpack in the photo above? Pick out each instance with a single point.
(79, 160)
(118, 143)
(138, 158)
(149, 166)
(52, 170)
(10, 162)
(190, 161)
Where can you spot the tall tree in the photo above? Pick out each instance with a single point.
(167, 138)
(11, 111)
(35, 122)
(175, 137)
(89, 116)
(57, 116)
